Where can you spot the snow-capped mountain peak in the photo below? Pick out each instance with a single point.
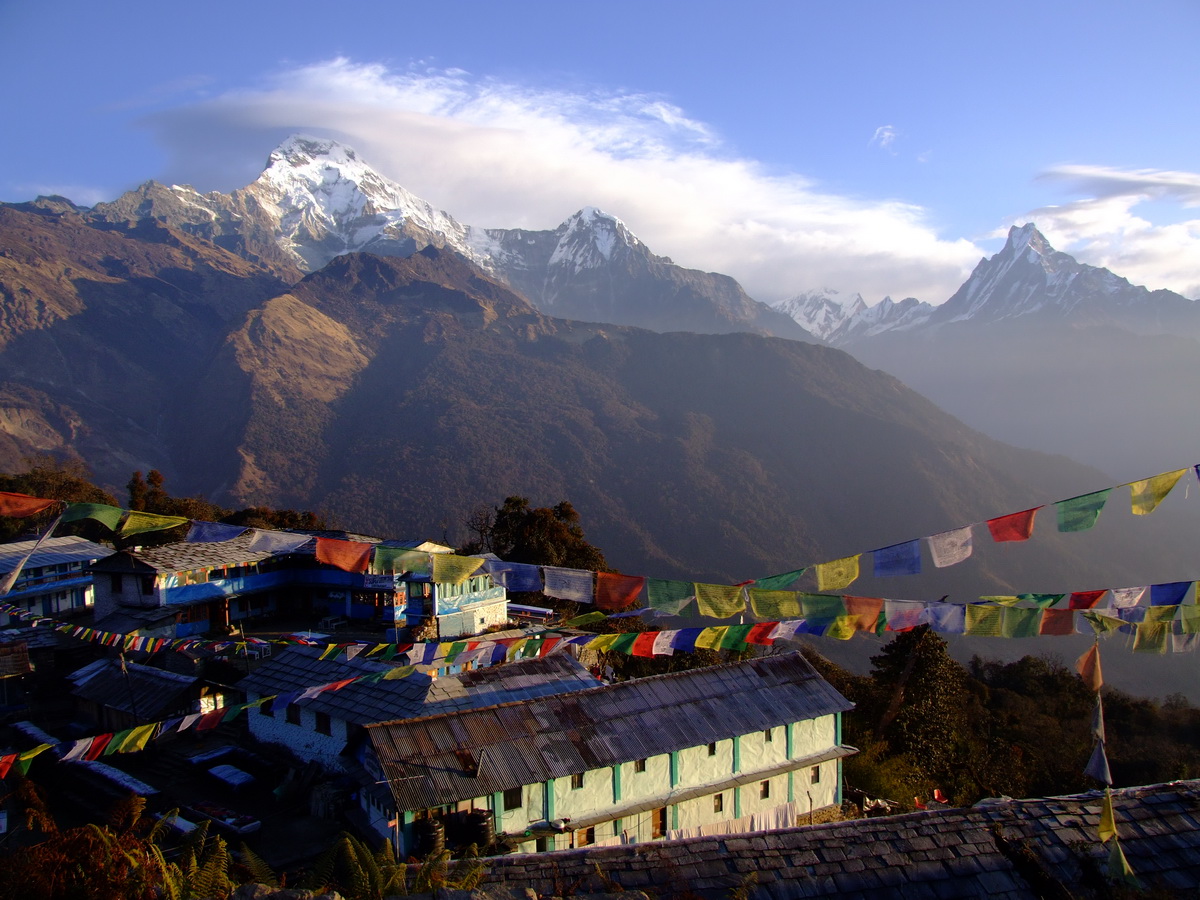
(591, 238)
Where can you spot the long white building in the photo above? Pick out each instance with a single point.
(738, 746)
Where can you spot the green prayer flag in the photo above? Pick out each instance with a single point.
(822, 606)
(115, 742)
(775, 605)
(779, 582)
(1001, 599)
(1158, 614)
(1041, 601)
(587, 618)
(393, 560)
(1189, 620)
(1101, 624)
(1080, 513)
(108, 516)
(735, 637)
(720, 601)
(984, 620)
(669, 596)
(624, 642)
(1020, 621)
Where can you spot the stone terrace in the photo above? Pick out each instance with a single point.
(999, 849)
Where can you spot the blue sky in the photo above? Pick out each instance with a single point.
(871, 147)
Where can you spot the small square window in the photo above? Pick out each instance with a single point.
(769, 735)
(639, 765)
(267, 710)
(764, 790)
(293, 714)
(577, 781)
(324, 725)
(816, 774)
(514, 798)
(718, 803)
(712, 749)
(585, 837)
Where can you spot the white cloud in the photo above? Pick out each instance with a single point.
(502, 155)
(884, 136)
(1103, 228)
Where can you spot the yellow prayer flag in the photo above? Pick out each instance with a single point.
(1108, 822)
(833, 576)
(720, 601)
(710, 638)
(1149, 492)
(602, 642)
(138, 738)
(774, 605)
(139, 522)
(449, 568)
(842, 628)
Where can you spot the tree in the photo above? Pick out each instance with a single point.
(541, 536)
(67, 480)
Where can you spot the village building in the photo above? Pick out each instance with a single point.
(322, 726)
(117, 694)
(749, 743)
(54, 579)
(191, 588)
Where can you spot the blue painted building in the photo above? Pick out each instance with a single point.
(54, 580)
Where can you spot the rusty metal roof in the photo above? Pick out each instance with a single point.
(513, 744)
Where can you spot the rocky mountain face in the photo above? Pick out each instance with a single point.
(399, 394)
(1039, 350)
(317, 200)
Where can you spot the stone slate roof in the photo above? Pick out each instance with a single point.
(443, 759)
(1003, 850)
(185, 556)
(152, 692)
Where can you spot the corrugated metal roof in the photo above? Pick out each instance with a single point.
(556, 736)
(523, 680)
(152, 692)
(54, 551)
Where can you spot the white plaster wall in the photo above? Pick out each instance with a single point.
(302, 739)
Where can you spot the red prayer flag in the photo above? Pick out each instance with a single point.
(1013, 527)
(866, 608)
(350, 556)
(761, 633)
(1058, 622)
(1085, 599)
(6, 763)
(616, 592)
(547, 645)
(211, 720)
(643, 644)
(21, 505)
(99, 742)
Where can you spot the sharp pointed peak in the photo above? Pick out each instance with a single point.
(1022, 236)
(302, 147)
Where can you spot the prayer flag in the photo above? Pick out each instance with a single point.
(1013, 527)
(898, 559)
(1088, 667)
(710, 638)
(1097, 766)
(720, 601)
(761, 633)
(1080, 513)
(1124, 598)
(774, 604)
(449, 568)
(669, 596)
(514, 576)
(1151, 637)
(947, 618)
(213, 532)
(1174, 593)
(950, 547)
(643, 644)
(1108, 822)
(842, 628)
(276, 541)
(1160, 614)
(1148, 493)
(615, 591)
(1085, 599)
(1098, 720)
(108, 516)
(1020, 622)
(865, 611)
(1058, 622)
(664, 643)
(779, 582)
(568, 584)
(904, 615)
(137, 522)
(1118, 866)
(984, 620)
(835, 575)
(349, 556)
(685, 639)
(1189, 620)
(1042, 601)
(21, 506)
(6, 764)
(822, 606)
